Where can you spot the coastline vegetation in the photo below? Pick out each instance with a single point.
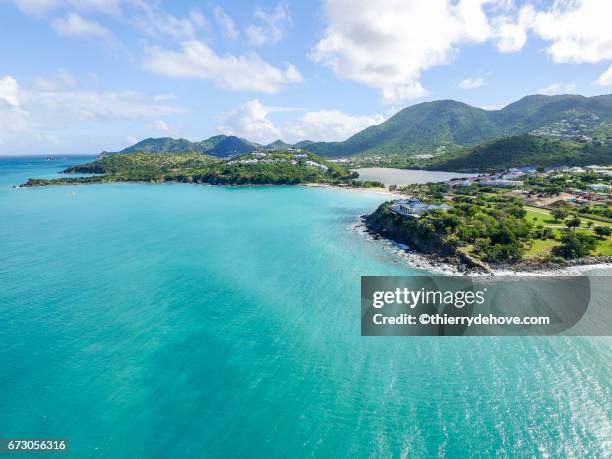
(494, 225)
(497, 155)
(279, 167)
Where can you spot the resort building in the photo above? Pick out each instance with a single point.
(321, 167)
(600, 187)
(460, 182)
(414, 207)
(502, 183)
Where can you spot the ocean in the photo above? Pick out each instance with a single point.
(177, 320)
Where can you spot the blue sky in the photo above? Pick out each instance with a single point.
(82, 76)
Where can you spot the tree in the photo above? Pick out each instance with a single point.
(603, 231)
(451, 222)
(559, 213)
(575, 245)
(573, 222)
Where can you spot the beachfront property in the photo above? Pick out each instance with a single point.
(414, 207)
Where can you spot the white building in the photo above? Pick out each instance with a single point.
(501, 183)
(460, 182)
(414, 207)
(321, 167)
(600, 187)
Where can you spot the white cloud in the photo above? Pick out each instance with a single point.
(9, 91)
(328, 125)
(73, 25)
(13, 118)
(251, 121)
(197, 60)
(164, 127)
(417, 35)
(162, 97)
(55, 106)
(225, 23)
(72, 105)
(510, 33)
(272, 27)
(155, 22)
(579, 30)
(605, 79)
(414, 35)
(63, 79)
(558, 88)
(471, 83)
(40, 7)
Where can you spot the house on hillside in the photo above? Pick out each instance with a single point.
(414, 207)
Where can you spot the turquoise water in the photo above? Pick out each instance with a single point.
(193, 321)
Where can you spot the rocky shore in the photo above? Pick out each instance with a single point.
(459, 263)
(532, 266)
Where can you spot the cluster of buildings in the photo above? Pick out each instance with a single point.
(511, 178)
(574, 129)
(321, 167)
(595, 193)
(598, 192)
(600, 170)
(264, 157)
(507, 179)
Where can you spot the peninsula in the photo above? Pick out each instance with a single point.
(514, 220)
(260, 167)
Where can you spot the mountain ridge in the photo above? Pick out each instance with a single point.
(434, 127)
(521, 151)
(218, 145)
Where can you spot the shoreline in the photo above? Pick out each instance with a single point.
(383, 191)
(449, 266)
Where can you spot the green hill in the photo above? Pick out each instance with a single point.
(422, 127)
(278, 144)
(164, 145)
(220, 145)
(444, 125)
(231, 145)
(519, 151)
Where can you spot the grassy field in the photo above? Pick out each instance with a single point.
(540, 247)
(542, 217)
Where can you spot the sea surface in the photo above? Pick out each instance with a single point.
(178, 320)
(392, 176)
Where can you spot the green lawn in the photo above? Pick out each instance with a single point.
(540, 247)
(542, 217)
